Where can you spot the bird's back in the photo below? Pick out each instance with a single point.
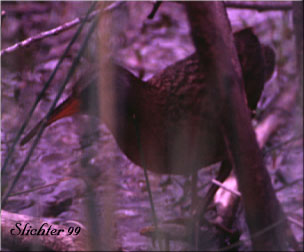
(179, 128)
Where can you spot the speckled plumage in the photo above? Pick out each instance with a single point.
(177, 126)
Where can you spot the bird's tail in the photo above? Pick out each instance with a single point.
(70, 106)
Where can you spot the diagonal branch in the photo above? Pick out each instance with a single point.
(55, 31)
(211, 33)
(59, 93)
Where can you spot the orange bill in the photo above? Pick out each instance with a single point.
(69, 107)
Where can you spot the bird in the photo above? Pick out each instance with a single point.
(167, 119)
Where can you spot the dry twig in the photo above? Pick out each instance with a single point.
(233, 191)
(61, 28)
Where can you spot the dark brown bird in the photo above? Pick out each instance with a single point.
(170, 112)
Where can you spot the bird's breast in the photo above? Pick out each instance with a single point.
(172, 134)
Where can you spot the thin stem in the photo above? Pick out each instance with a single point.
(61, 89)
(143, 164)
(41, 94)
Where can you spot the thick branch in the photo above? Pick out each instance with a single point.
(276, 118)
(212, 37)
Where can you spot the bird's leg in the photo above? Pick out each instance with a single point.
(194, 190)
(224, 172)
(199, 211)
(194, 200)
